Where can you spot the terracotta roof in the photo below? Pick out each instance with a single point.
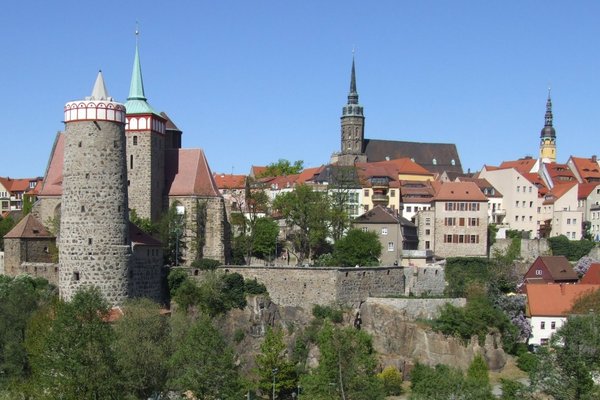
(538, 182)
(139, 237)
(592, 276)
(445, 154)
(483, 185)
(459, 191)
(257, 170)
(559, 267)
(554, 299)
(17, 185)
(52, 185)
(523, 165)
(230, 181)
(558, 191)
(28, 228)
(170, 126)
(381, 215)
(585, 189)
(587, 168)
(560, 173)
(308, 174)
(187, 174)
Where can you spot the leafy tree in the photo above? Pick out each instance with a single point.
(6, 224)
(76, 358)
(346, 366)
(273, 361)
(144, 224)
(357, 248)
(204, 364)
(492, 230)
(20, 297)
(206, 263)
(515, 390)
(264, 238)
(391, 379)
(307, 214)
(282, 167)
(463, 271)
(176, 278)
(587, 302)
(572, 249)
(27, 204)
(142, 348)
(171, 229)
(341, 182)
(478, 380)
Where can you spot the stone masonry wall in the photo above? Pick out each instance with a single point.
(530, 248)
(46, 208)
(145, 277)
(412, 309)
(303, 287)
(94, 245)
(48, 271)
(426, 280)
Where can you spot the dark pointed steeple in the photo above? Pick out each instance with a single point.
(548, 130)
(353, 95)
(353, 122)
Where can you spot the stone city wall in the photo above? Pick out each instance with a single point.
(48, 271)
(146, 274)
(303, 287)
(412, 309)
(425, 280)
(530, 248)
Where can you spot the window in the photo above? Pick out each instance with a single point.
(538, 272)
(392, 193)
(427, 221)
(530, 204)
(516, 218)
(75, 276)
(568, 221)
(427, 245)
(390, 246)
(553, 325)
(364, 229)
(384, 231)
(518, 189)
(89, 240)
(135, 140)
(461, 222)
(517, 203)
(428, 231)
(366, 193)
(529, 189)
(408, 208)
(131, 161)
(449, 221)
(574, 221)
(543, 325)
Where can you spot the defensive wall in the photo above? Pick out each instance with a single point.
(304, 286)
(530, 248)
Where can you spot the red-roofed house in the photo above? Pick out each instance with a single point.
(522, 165)
(560, 207)
(548, 307)
(586, 170)
(551, 269)
(457, 223)
(556, 174)
(592, 276)
(13, 192)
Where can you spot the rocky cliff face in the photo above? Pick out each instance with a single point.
(398, 337)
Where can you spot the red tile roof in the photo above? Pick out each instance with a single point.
(554, 300)
(459, 191)
(587, 168)
(585, 189)
(257, 170)
(560, 173)
(538, 182)
(592, 276)
(558, 191)
(30, 228)
(230, 181)
(187, 174)
(523, 165)
(139, 237)
(52, 185)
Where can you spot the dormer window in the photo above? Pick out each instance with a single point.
(434, 161)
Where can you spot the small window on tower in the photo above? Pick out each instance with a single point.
(79, 144)
(135, 140)
(75, 276)
(89, 240)
(87, 176)
(131, 161)
(82, 208)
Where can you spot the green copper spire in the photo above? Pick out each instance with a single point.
(136, 90)
(137, 102)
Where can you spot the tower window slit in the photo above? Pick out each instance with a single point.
(131, 161)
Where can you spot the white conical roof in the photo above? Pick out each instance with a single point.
(99, 92)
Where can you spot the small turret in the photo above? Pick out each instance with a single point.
(548, 134)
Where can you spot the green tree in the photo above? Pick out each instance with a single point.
(6, 224)
(307, 214)
(204, 364)
(342, 180)
(142, 348)
(391, 379)
(572, 249)
(171, 229)
(264, 238)
(75, 359)
(282, 167)
(478, 380)
(587, 302)
(144, 224)
(438, 383)
(346, 366)
(27, 204)
(357, 248)
(273, 361)
(566, 369)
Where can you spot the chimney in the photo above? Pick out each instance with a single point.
(594, 158)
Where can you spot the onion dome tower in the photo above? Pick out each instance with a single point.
(548, 135)
(94, 248)
(145, 134)
(353, 121)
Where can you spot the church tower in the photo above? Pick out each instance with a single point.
(548, 135)
(353, 128)
(94, 248)
(145, 135)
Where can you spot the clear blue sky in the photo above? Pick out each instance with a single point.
(254, 81)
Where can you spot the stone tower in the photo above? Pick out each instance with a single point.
(548, 135)
(145, 135)
(94, 248)
(353, 128)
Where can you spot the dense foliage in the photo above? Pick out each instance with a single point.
(6, 224)
(282, 167)
(357, 248)
(572, 249)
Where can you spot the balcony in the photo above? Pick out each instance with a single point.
(379, 198)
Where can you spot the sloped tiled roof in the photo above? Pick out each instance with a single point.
(483, 185)
(381, 215)
(53, 178)
(257, 170)
(170, 125)
(458, 191)
(559, 267)
(28, 228)
(187, 174)
(592, 276)
(554, 299)
(558, 191)
(139, 237)
(587, 168)
(522, 165)
(560, 173)
(585, 189)
(230, 181)
(537, 180)
(445, 154)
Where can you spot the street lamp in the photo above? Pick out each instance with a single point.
(275, 371)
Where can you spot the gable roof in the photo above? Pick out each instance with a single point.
(560, 173)
(187, 174)
(537, 180)
(559, 267)
(585, 189)
(484, 185)
(230, 181)
(459, 191)
(381, 215)
(558, 191)
(522, 165)
(554, 299)
(139, 237)
(445, 154)
(53, 178)
(592, 276)
(587, 168)
(28, 228)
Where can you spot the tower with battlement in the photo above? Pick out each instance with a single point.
(548, 135)
(94, 244)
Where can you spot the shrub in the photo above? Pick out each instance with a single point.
(206, 264)
(392, 380)
(325, 312)
(252, 286)
(175, 279)
(238, 335)
(527, 361)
